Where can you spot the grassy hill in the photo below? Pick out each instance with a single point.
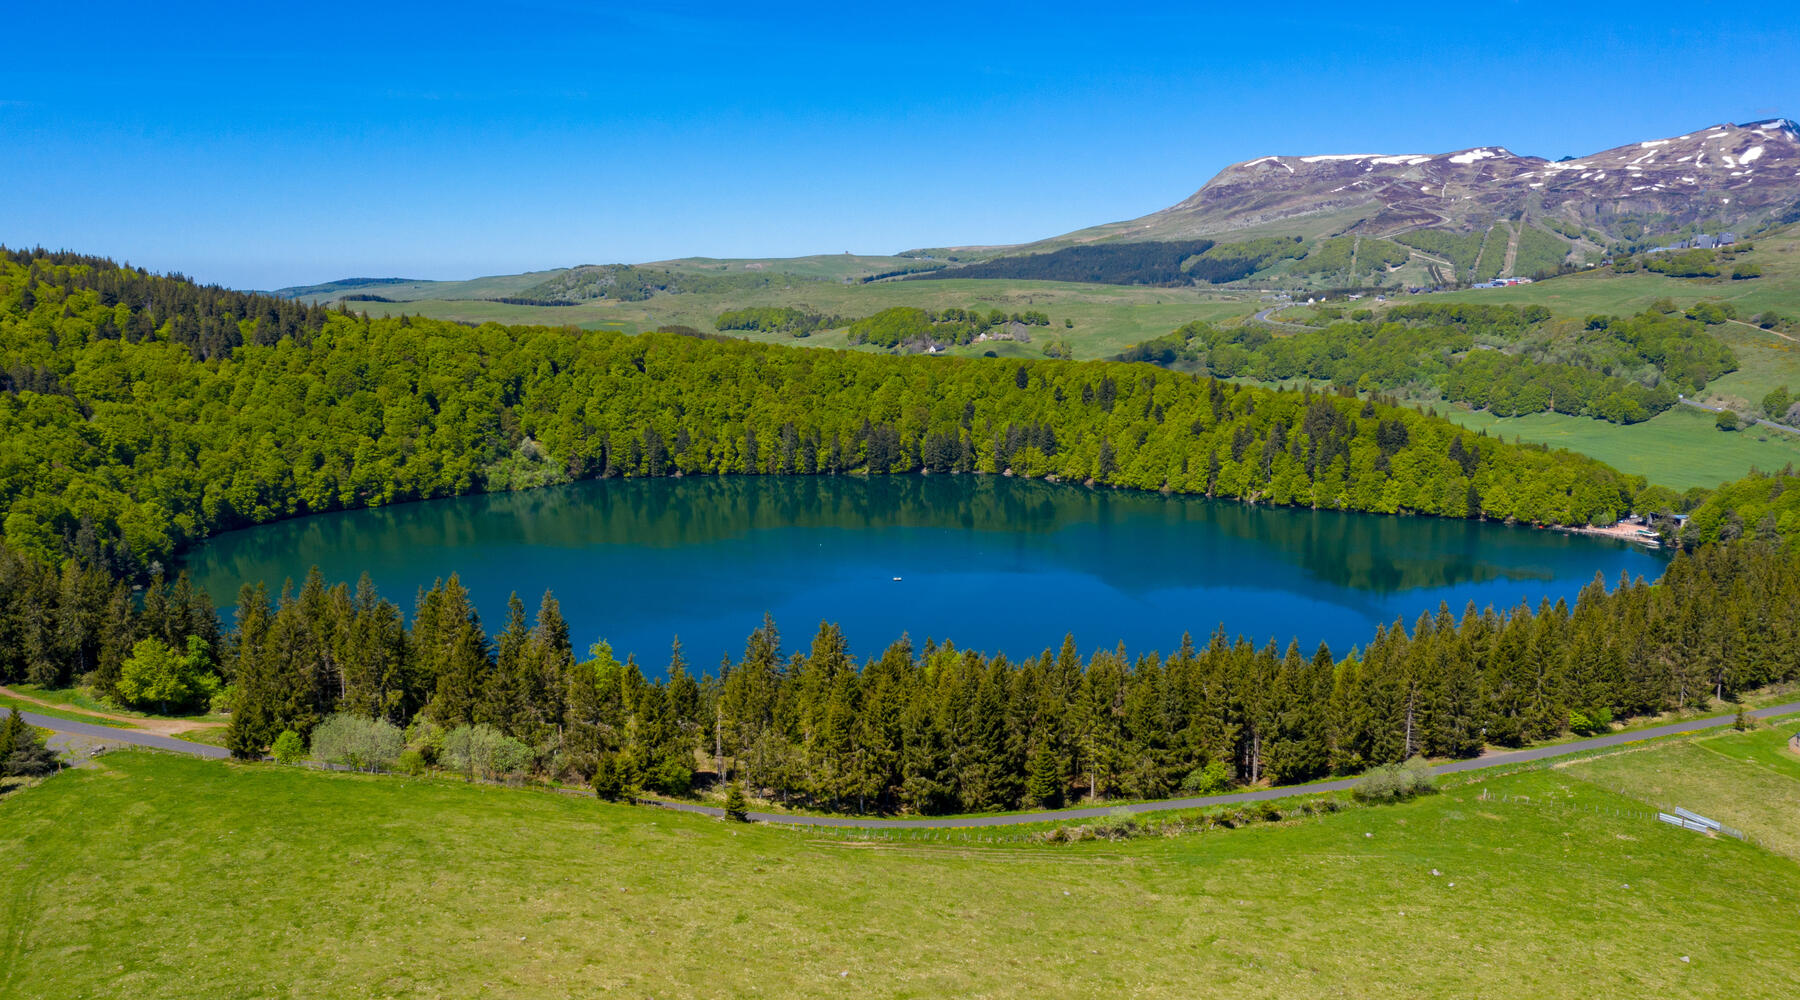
(157, 876)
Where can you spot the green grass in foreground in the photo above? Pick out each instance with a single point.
(1678, 449)
(157, 876)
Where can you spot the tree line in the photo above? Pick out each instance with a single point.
(796, 322)
(915, 329)
(938, 729)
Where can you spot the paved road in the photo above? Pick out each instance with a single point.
(1256, 795)
(112, 736)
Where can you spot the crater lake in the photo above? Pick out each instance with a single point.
(991, 563)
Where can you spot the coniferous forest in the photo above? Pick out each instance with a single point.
(141, 413)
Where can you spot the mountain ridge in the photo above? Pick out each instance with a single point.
(1737, 175)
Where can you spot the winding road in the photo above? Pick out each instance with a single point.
(1501, 759)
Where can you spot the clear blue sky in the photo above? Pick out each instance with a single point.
(261, 145)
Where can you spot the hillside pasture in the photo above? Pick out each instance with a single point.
(156, 876)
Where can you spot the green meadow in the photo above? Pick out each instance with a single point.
(158, 876)
(1680, 449)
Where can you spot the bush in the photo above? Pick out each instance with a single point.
(1775, 404)
(1209, 779)
(1744, 271)
(1598, 720)
(346, 740)
(425, 738)
(1727, 421)
(289, 748)
(222, 699)
(411, 762)
(485, 752)
(1396, 782)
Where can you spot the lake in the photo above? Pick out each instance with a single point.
(991, 563)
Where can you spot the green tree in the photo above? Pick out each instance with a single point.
(737, 810)
(1044, 783)
(155, 675)
(22, 750)
(289, 748)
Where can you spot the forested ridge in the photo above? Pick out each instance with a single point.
(142, 413)
(124, 441)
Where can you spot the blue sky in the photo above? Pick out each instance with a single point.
(267, 145)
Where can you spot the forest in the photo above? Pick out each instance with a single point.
(176, 411)
(913, 329)
(791, 320)
(1098, 263)
(1505, 359)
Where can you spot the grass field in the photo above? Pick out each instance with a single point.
(157, 876)
(1107, 318)
(1679, 449)
(1749, 780)
(1602, 291)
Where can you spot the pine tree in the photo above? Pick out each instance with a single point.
(1044, 784)
(22, 750)
(737, 810)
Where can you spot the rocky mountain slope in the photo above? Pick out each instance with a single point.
(1482, 212)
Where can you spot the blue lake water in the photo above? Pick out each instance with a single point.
(991, 563)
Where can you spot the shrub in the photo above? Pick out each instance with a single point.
(1209, 779)
(410, 762)
(1598, 720)
(347, 740)
(1712, 313)
(1744, 271)
(426, 738)
(1775, 404)
(1727, 420)
(1396, 782)
(222, 699)
(485, 752)
(289, 748)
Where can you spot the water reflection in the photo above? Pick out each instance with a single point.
(994, 563)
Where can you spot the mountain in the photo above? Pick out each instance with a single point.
(1314, 221)
(1480, 212)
